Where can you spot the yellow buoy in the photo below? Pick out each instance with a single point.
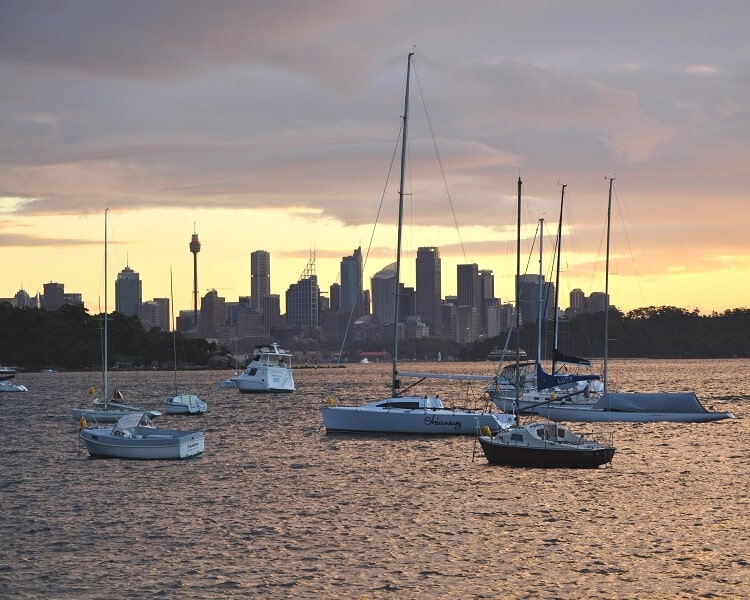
(92, 390)
(82, 423)
(485, 430)
(330, 401)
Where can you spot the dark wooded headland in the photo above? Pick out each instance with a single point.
(71, 339)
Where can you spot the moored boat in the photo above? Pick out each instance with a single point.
(544, 445)
(134, 436)
(270, 370)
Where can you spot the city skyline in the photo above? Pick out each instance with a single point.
(273, 126)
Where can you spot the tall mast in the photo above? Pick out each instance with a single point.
(395, 383)
(557, 281)
(106, 338)
(541, 295)
(518, 291)
(606, 286)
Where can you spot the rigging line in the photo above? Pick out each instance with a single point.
(372, 233)
(440, 161)
(627, 241)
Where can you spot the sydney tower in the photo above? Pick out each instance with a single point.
(195, 247)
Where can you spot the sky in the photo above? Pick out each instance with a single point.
(274, 125)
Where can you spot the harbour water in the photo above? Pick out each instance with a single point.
(275, 508)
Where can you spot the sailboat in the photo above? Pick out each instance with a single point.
(538, 388)
(181, 403)
(110, 410)
(636, 407)
(402, 413)
(541, 443)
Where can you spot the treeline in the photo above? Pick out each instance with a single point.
(70, 339)
(653, 332)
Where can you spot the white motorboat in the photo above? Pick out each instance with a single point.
(185, 404)
(134, 436)
(270, 370)
(7, 373)
(401, 413)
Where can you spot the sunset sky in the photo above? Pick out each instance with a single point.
(273, 125)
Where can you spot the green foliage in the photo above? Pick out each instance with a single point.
(651, 332)
(71, 339)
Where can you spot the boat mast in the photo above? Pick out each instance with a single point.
(606, 287)
(518, 294)
(174, 334)
(557, 282)
(541, 295)
(395, 383)
(106, 339)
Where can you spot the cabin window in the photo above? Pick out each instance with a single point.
(409, 405)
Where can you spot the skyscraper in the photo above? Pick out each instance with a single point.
(351, 283)
(302, 300)
(128, 293)
(383, 286)
(260, 278)
(429, 292)
(469, 286)
(54, 296)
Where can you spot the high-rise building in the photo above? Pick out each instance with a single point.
(577, 302)
(469, 286)
(351, 283)
(597, 302)
(531, 292)
(383, 287)
(155, 313)
(302, 300)
(22, 299)
(486, 284)
(128, 293)
(213, 314)
(260, 278)
(334, 295)
(429, 292)
(54, 296)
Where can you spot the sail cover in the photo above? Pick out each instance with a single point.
(650, 402)
(545, 381)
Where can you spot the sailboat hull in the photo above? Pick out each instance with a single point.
(163, 444)
(522, 456)
(395, 416)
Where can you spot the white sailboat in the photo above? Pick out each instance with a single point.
(107, 410)
(401, 413)
(180, 403)
(636, 407)
(540, 443)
